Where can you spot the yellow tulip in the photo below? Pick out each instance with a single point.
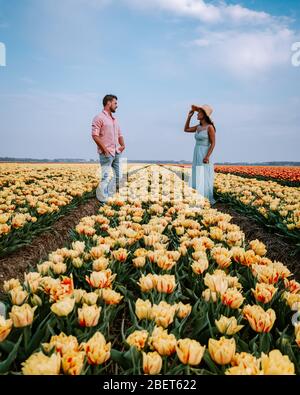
(292, 299)
(78, 246)
(72, 362)
(270, 274)
(189, 352)
(163, 314)
(232, 298)
(292, 286)
(165, 263)
(140, 252)
(102, 279)
(259, 319)
(264, 292)
(146, 283)
(90, 298)
(228, 326)
(58, 288)
(99, 251)
(63, 307)
(199, 255)
(109, 296)
(18, 295)
(165, 283)
(183, 310)
(11, 284)
(78, 295)
(138, 339)
(97, 350)
(162, 342)
(216, 282)
(88, 316)
(246, 361)
(208, 295)
(258, 247)
(240, 370)
(43, 268)
(62, 344)
(200, 266)
(32, 280)
(77, 262)
(5, 328)
(277, 364)
(139, 261)
(143, 309)
(120, 254)
(222, 351)
(58, 268)
(152, 362)
(100, 264)
(40, 364)
(22, 315)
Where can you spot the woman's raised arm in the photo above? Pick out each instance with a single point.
(187, 127)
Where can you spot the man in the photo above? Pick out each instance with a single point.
(107, 135)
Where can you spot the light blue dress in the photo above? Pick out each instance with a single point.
(202, 173)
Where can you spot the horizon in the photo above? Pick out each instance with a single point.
(81, 160)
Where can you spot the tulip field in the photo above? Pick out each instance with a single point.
(32, 197)
(156, 282)
(272, 204)
(282, 174)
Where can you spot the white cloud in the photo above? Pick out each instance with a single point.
(192, 8)
(236, 39)
(246, 53)
(204, 11)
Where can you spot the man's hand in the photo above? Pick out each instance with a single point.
(205, 160)
(122, 147)
(105, 152)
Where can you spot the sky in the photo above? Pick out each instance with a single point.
(158, 57)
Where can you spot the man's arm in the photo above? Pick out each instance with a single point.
(97, 140)
(121, 139)
(96, 132)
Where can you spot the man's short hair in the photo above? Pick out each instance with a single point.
(108, 98)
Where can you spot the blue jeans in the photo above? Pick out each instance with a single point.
(108, 187)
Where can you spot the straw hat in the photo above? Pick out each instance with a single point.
(205, 107)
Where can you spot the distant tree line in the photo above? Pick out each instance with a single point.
(79, 160)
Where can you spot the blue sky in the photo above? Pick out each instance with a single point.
(158, 57)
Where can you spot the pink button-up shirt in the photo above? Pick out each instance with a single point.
(108, 129)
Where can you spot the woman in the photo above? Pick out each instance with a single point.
(202, 169)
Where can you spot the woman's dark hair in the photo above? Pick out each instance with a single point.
(108, 98)
(208, 120)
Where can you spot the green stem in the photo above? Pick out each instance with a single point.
(27, 335)
(187, 369)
